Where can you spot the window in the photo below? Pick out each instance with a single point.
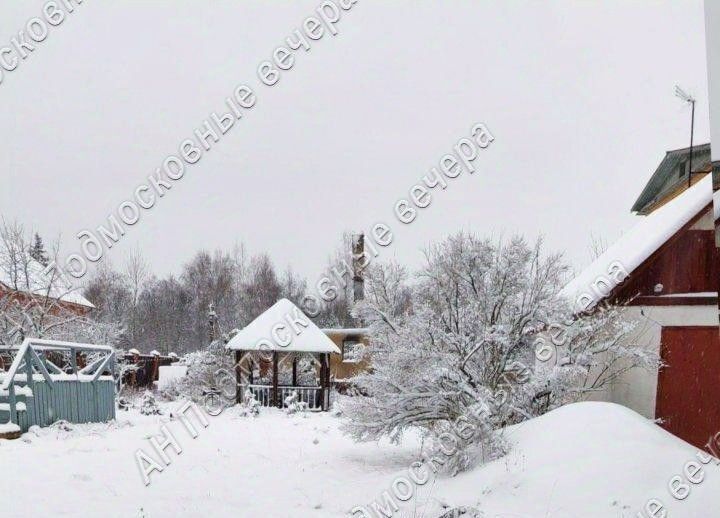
(681, 169)
(352, 350)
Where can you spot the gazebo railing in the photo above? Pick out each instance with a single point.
(272, 392)
(264, 394)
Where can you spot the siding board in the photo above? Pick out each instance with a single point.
(687, 386)
(72, 401)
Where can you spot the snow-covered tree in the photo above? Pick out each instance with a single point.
(137, 274)
(38, 252)
(39, 302)
(148, 404)
(454, 353)
(336, 312)
(209, 368)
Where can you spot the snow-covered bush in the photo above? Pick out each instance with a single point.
(124, 369)
(250, 406)
(203, 373)
(293, 405)
(454, 353)
(148, 405)
(335, 407)
(62, 426)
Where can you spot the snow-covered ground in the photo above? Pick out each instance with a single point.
(583, 460)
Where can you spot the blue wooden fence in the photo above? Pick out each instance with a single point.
(31, 395)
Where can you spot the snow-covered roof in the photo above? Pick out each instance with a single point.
(35, 281)
(283, 327)
(636, 245)
(665, 179)
(345, 330)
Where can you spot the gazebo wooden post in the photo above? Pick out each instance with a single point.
(327, 379)
(294, 371)
(324, 378)
(238, 377)
(276, 401)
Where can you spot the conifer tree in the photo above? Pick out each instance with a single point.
(37, 250)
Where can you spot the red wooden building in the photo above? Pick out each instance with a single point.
(666, 269)
(25, 280)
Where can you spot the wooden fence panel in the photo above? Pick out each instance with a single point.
(72, 401)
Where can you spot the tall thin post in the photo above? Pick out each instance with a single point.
(13, 404)
(321, 358)
(238, 377)
(686, 97)
(276, 401)
(73, 361)
(212, 319)
(358, 258)
(29, 412)
(324, 380)
(692, 135)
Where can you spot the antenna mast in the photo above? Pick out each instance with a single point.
(680, 93)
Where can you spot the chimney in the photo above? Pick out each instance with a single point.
(358, 265)
(212, 319)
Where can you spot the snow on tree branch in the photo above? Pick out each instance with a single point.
(458, 343)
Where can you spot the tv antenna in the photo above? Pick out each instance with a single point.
(685, 97)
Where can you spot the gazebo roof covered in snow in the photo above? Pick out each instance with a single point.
(639, 243)
(282, 327)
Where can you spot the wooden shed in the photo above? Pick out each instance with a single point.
(146, 367)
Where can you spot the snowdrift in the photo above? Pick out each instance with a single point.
(587, 460)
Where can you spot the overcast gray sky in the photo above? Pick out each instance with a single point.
(579, 96)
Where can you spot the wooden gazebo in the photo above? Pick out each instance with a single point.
(283, 337)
